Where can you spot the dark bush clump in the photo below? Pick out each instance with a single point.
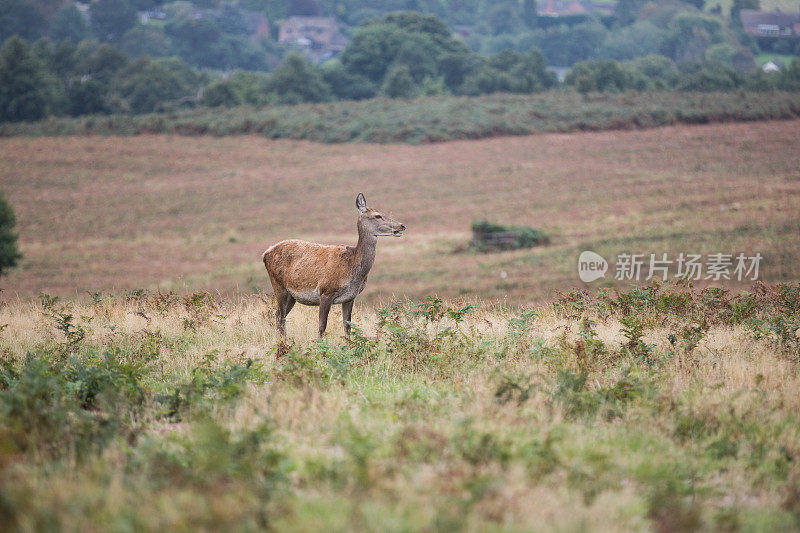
(487, 236)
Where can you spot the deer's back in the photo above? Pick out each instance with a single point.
(303, 266)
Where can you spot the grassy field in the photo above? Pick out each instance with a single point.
(133, 400)
(190, 213)
(655, 409)
(764, 58)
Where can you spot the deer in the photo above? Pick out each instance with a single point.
(322, 275)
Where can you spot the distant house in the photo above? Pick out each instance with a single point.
(151, 14)
(560, 8)
(318, 37)
(770, 23)
(601, 8)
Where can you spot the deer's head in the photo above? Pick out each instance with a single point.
(375, 222)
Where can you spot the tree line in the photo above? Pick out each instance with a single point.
(399, 55)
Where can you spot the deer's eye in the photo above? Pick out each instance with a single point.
(378, 216)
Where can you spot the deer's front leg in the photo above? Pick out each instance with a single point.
(347, 314)
(325, 302)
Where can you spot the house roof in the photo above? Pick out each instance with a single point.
(556, 8)
(752, 18)
(315, 33)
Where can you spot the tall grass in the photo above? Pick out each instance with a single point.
(434, 119)
(659, 407)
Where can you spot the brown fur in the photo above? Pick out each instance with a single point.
(320, 274)
(308, 265)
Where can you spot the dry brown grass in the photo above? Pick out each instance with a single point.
(113, 213)
(388, 446)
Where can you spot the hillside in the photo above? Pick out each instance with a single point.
(190, 213)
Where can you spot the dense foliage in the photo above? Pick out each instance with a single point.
(143, 56)
(9, 254)
(436, 119)
(487, 236)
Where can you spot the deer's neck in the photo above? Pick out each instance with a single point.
(365, 252)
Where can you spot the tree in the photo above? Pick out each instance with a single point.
(9, 255)
(585, 39)
(145, 41)
(529, 15)
(99, 62)
(689, 36)
(430, 25)
(790, 76)
(251, 87)
(412, 39)
(604, 75)
(221, 93)
(372, 49)
(736, 10)
(20, 17)
(563, 45)
(510, 71)
(85, 97)
(111, 19)
(399, 83)
(194, 39)
(148, 85)
(639, 39)
(454, 66)
(69, 25)
(308, 8)
(529, 73)
(231, 20)
(708, 78)
(415, 53)
(502, 17)
(627, 11)
(660, 70)
(26, 91)
(721, 53)
(347, 85)
(297, 80)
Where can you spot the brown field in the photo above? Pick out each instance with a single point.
(189, 213)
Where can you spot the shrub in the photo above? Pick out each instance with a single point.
(399, 83)
(488, 236)
(298, 80)
(9, 255)
(220, 93)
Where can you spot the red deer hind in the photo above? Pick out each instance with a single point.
(320, 274)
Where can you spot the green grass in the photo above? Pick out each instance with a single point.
(435, 119)
(763, 58)
(657, 408)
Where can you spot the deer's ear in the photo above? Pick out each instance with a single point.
(361, 202)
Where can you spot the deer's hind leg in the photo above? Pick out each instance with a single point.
(285, 302)
(286, 306)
